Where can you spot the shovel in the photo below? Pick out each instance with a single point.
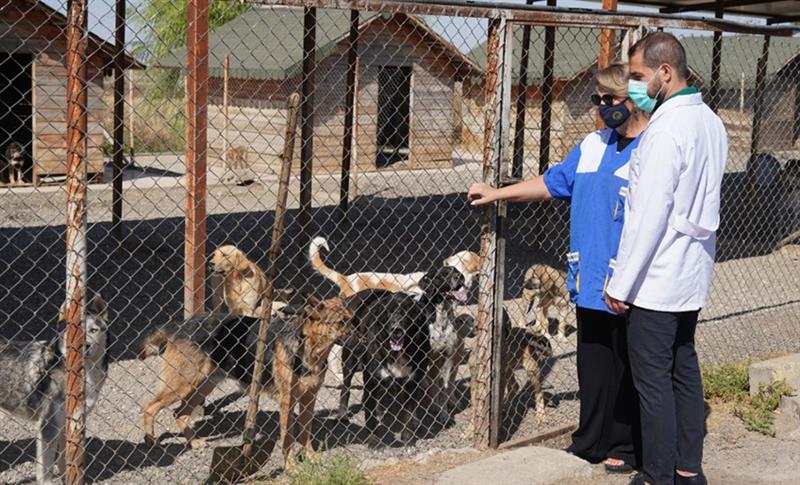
(232, 464)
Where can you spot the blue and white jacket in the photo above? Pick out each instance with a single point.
(594, 177)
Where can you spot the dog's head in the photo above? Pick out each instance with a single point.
(444, 283)
(15, 154)
(95, 328)
(467, 263)
(326, 320)
(228, 259)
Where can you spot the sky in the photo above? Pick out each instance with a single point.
(462, 32)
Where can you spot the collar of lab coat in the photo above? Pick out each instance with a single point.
(677, 102)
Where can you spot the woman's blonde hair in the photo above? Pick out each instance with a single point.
(613, 80)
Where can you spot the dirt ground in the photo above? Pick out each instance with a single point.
(732, 456)
(401, 222)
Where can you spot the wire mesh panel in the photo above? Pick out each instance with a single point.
(392, 130)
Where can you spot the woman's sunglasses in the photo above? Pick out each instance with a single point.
(606, 99)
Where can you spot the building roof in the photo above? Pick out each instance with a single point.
(576, 51)
(267, 42)
(774, 10)
(38, 19)
(740, 54)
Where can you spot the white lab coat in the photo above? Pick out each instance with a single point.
(666, 254)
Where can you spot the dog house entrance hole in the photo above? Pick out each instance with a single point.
(394, 112)
(16, 108)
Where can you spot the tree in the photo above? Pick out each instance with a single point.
(159, 27)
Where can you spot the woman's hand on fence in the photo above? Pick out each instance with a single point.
(480, 194)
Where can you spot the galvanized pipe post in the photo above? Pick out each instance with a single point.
(755, 136)
(119, 120)
(548, 78)
(307, 122)
(196, 152)
(716, 61)
(522, 101)
(77, 122)
(349, 114)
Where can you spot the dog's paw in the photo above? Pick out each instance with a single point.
(198, 444)
(150, 440)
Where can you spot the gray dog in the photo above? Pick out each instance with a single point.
(32, 381)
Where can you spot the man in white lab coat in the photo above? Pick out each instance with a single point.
(666, 256)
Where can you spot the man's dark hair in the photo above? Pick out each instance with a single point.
(661, 48)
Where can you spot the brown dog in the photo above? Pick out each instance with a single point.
(525, 348)
(243, 282)
(543, 287)
(198, 353)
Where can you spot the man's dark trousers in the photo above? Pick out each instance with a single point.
(667, 377)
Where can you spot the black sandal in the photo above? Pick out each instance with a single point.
(618, 469)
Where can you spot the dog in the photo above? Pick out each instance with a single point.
(15, 159)
(243, 282)
(525, 348)
(200, 352)
(32, 381)
(391, 345)
(545, 287)
(466, 262)
(351, 284)
(447, 334)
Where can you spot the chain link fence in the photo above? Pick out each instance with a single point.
(399, 115)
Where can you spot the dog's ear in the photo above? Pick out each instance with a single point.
(428, 282)
(98, 306)
(62, 311)
(313, 308)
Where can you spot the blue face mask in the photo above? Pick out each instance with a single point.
(614, 116)
(637, 91)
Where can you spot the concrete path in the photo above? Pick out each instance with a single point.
(524, 466)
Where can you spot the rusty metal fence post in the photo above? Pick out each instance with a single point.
(77, 122)
(486, 360)
(196, 152)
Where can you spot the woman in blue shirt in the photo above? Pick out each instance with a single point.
(594, 177)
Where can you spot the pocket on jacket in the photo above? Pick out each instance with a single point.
(573, 274)
(619, 205)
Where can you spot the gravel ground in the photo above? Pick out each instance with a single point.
(410, 220)
(732, 456)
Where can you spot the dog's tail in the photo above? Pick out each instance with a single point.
(323, 269)
(153, 344)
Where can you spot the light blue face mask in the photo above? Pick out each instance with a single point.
(637, 91)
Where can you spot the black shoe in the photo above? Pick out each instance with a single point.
(638, 479)
(618, 469)
(698, 479)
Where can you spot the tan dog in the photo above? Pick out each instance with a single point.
(466, 262)
(544, 287)
(243, 282)
(525, 348)
(198, 353)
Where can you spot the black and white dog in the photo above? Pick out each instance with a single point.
(447, 332)
(391, 344)
(15, 160)
(32, 381)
